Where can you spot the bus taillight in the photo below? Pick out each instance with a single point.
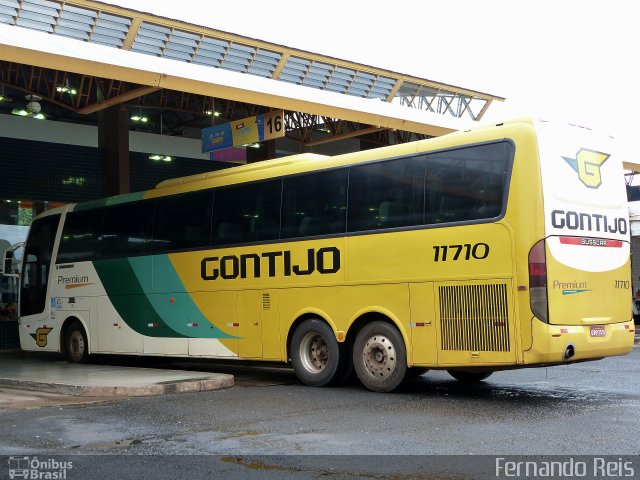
(538, 281)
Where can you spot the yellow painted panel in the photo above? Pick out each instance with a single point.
(423, 324)
(578, 297)
(279, 265)
(272, 339)
(249, 324)
(473, 251)
(220, 309)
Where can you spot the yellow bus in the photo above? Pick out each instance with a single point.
(496, 248)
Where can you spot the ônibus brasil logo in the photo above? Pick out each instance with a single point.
(587, 165)
(31, 468)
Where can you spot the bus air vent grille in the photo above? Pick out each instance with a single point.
(474, 318)
(266, 301)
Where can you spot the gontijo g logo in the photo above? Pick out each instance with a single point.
(587, 165)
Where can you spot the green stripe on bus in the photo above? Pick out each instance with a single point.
(165, 314)
(166, 279)
(134, 306)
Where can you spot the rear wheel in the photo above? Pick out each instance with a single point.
(317, 357)
(469, 377)
(76, 346)
(380, 357)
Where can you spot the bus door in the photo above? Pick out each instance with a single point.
(37, 310)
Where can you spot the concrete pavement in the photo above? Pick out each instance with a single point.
(50, 373)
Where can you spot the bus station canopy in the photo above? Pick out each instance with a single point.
(40, 49)
(112, 55)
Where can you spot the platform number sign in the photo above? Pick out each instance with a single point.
(273, 125)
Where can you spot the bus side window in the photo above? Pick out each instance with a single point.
(183, 222)
(228, 233)
(467, 183)
(314, 204)
(386, 194)
(79, 241)
(126, 230)
(247, 213)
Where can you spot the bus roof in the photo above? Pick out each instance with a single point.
(242, 169)
(295, 164)
(309, 161)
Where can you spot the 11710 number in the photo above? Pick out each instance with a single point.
(478, 251)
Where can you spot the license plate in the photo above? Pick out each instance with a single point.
(598, 331)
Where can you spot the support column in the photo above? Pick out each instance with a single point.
(113, 136)
(267, 151)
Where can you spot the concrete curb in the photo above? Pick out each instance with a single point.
(211, 382)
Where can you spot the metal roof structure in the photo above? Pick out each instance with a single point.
(148, 53)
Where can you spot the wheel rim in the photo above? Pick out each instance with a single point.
(314, 352)
(379, 356)
(76, 345)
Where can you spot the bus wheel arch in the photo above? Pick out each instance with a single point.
(317, 357)
(74, 342)
(379, 352)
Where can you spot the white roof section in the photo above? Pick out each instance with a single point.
(41, 49)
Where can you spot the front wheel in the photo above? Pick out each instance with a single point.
(469, 377)
(380, 357)
(76, 345)
(317, 357)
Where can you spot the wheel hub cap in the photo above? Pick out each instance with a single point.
(314, 352)
(379, 356)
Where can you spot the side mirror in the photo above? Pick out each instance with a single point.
(9, 261)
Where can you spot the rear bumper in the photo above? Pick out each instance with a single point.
(551, 341)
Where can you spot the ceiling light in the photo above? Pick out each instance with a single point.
(158, 157)
(66, 89)
(33, 108)
(139, 117)
(211, 112)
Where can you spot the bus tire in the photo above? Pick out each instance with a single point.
(469, 377)
(76, 345)
(318, 359)
(380, 357)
